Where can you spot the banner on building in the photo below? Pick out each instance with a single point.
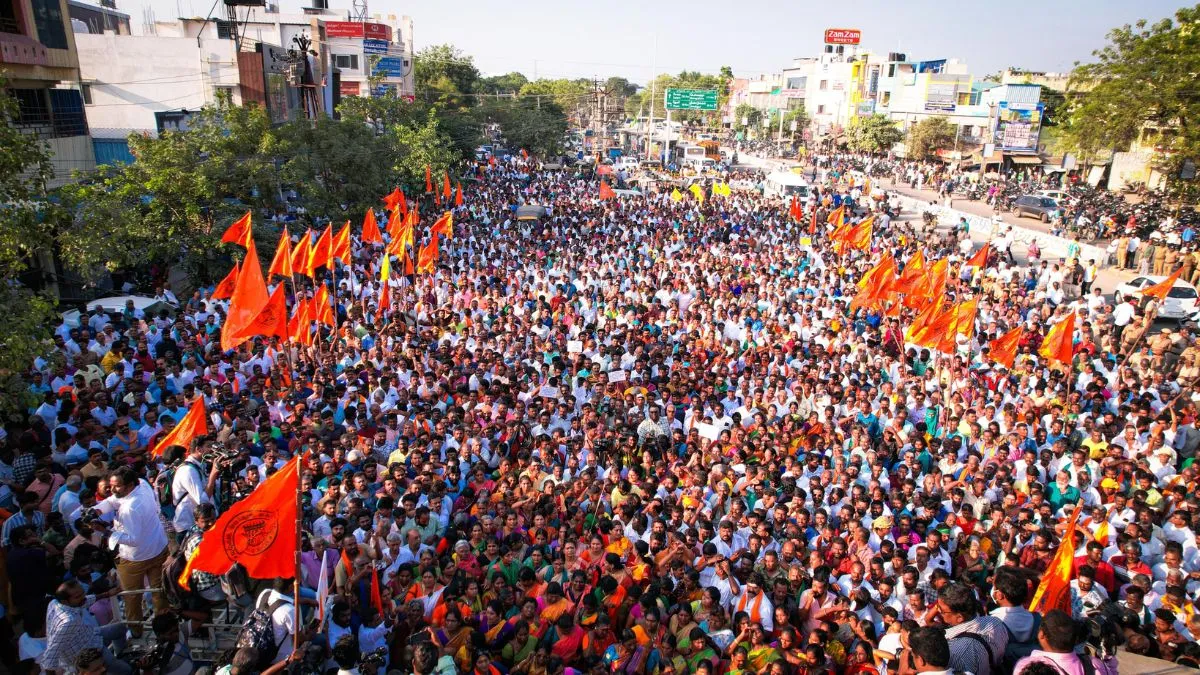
(1018, 126)
(359, 30)
(842, 36)
(941, 96)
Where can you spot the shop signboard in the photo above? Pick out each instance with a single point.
(1018, 126)
(842, 36)
(358, 29)
(373, 46)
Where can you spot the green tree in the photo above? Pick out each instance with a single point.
(444, 72)
(1141, 86)
(537, 126)
(340, 168)
(873, 133)
(25, 169)
(928, 136)
(416, 146)
(510, 83)
(751, 116)
(569, 95)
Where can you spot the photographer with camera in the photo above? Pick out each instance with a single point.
(1057, 638)
(189, 487)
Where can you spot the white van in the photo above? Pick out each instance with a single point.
(626, 163)
(786, 184)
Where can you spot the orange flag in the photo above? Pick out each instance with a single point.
(875, 284)
(1054, 592)
(446, 185)
(458, 193)
(385, 300)
(408, 265)
(370, 229)
(444, 226)
(837, 216)
(1058, 345)
(193, 424)
(1163, 287)
(321, 309)
(427, 256)
(300, 253)
(396, 220)
(258, 532)
(967, 312)
(300, 325)
(394, 200)
(980, 258)
(1003, 350)
(239, 232)
(937, 328)
(225, 288)
(428, 179)
(321, 254)
(859, 236)
(341, 244)
(376, 596)
(605, 191)
(913, 271)
(1103, 531)
(918, 326)
(272, 320)
(281, 264)
(247, 300)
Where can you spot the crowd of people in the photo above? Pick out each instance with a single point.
(636, 435)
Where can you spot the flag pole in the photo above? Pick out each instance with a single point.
(296, 577)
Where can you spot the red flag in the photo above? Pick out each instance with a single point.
(247, 300)
(446, 185)
(1163, 287)
(239, 232)
(427, 256)
(376, 597)
(322, 251)
(281, 264)
(394, 200)
(1059, 344)
(1003, 350)
(225, 288)
(341, 244)
(443, 225)
(193, 424)
(458, 193)
(428, 179)
(272, 320)
(980, 258)
(370, 229)
(300, 253)
(258, 532)
(605, 191)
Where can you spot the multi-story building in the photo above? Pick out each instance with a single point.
(41, 70)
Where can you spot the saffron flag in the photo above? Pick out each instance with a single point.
(1163, 287)
(1102, 532)
(458, 201)
(859, 236)
(524, 153)
(396, 221)
(427, 256)
(376, 596)
(321, 254)
(300, 253)
(697, 191)
(272, 319)
(966, 317)
(443, 226)
(341, 244)
(605, 191)
(980, 258)
(837, 216)
(918, 326)
(385, 273)
(428, 179)
(281, 264)
(258, 532)
(446, 185)
(225, 288)
(193, 424)
(239, 232)
(1059, 345)
(875, 284)
(394, 200)
(1054, 592)
(321, 309)
(408, 265)
(247, 300)
(300, 325)
(912, 273)
(1003, 350)
(322, 591)
(370, 229)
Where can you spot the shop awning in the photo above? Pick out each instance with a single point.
(1025, 159)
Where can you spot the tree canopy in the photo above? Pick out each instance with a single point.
(928, 136)
(873, 133)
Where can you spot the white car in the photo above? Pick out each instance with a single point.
(116, 305)
(1180, 302)
(1060, 197)
(626, 163)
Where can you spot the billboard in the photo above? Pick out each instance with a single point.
(1018, 126)
(842, 36)
(931, 66)
(387, 66)
(941, 96)
(691, 99)
(358, 29)
(372, 46)
(348, 88)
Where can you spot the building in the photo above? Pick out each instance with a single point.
(1057, 81)
(90, 18)
(41, 67)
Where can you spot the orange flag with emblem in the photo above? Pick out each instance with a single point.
(605, 191)
(247, 300)
(272, 319)
(1054, 591)
(239, 232)
(193, 424)
(225, 288)
(1059, 343)
(300, 253)
(1003, 350)
(258, 532)
(370, 229)
(281, 264)
(1163, 287)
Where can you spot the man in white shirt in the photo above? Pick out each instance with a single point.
(140, 539)
(190, 489)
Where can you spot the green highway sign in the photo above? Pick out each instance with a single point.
(691, 99)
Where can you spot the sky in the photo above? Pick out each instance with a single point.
(636, 38)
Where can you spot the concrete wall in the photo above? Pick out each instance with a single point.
(132, 77)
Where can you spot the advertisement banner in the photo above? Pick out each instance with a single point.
(842, 36)
(1018, 126)
(941, 96)
(388, 66)
(358, 29)
(348, 88)
(375, 46)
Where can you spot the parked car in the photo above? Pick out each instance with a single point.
(114, 307)
(626, 163)
(1180, 301)
(1059, 196)
(1035, 205)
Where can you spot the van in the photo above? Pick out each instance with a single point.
(786, 185)
(626, 163)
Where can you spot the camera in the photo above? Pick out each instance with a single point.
(219, 452)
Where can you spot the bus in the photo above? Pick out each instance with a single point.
(686, 153)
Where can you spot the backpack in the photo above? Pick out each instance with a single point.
(172, 569)
(259, 632)
(987, 647)
(1016, 650)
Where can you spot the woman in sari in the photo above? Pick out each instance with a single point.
(520, 646)
(681, 624)
(494, 627)
(455, 640)
(567, 638)
(466, 561)
(973, 564)
(708, 605)
(626, 656)
(428, 591)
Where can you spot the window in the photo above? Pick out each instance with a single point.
(47, 16)
(225, 29)
(820, 110)
(891, 70)
(346, 61)
(86, 91)
(886, 98)
(67, 113)
(9, 23)
(32, 107)
(797, 82)
(824, 85)
(223, 92)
